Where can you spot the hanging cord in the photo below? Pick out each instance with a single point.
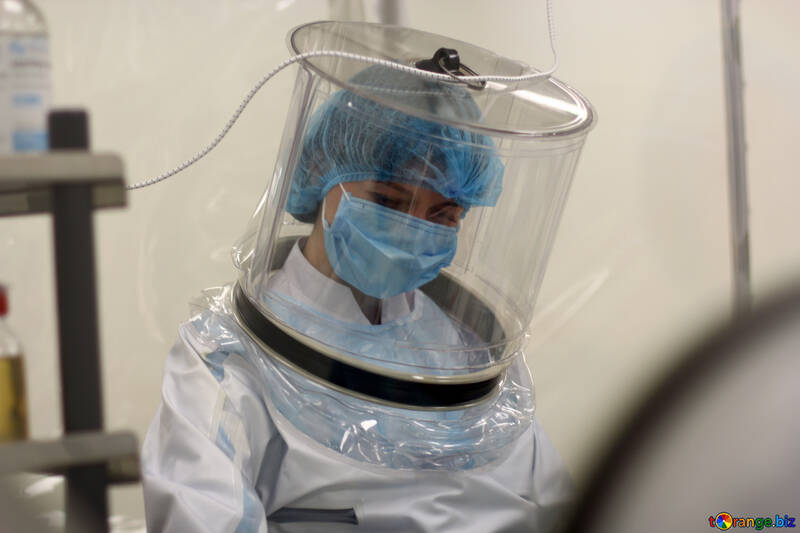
(356, 57)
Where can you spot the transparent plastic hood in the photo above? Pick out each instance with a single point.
(407, 225)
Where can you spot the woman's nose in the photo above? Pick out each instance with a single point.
(420, 206)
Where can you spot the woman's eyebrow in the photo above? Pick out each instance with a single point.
(446, 203)
(395, 186)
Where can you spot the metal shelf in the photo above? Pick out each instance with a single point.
(27, 181)
(117, 450)
(69, 183)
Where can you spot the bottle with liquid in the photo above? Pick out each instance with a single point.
(13, 408)
(24, 77)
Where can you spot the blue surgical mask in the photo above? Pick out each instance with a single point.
(383, 252)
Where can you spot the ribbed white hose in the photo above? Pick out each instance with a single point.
(355, 57)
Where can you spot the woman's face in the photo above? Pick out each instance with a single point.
(414, 200)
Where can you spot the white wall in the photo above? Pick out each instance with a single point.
(641, 264)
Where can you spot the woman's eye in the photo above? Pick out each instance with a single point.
(385, 200)
(446, 218)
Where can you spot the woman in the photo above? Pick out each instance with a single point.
(247, 440)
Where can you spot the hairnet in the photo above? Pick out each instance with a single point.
(353, 138)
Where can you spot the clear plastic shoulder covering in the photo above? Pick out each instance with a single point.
(369, 432)
(408, 222)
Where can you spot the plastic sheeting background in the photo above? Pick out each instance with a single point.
(641, 264)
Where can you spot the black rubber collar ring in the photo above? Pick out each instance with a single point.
(358, 380)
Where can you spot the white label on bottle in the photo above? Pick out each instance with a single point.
(24, 92)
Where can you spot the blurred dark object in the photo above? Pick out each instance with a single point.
(721, 434)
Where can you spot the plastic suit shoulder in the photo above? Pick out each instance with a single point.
(204, 449)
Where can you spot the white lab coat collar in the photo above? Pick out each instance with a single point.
(299, 279)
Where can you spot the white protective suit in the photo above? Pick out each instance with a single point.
(221, 456)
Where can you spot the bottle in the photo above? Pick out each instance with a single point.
(24, 77)
(13, 407)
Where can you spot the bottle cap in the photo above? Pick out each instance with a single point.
(68, 129)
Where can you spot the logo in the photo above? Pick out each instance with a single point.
(725, 521)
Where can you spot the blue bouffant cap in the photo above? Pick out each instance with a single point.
(353, 138)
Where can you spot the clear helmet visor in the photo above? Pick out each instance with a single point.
(407, 225)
